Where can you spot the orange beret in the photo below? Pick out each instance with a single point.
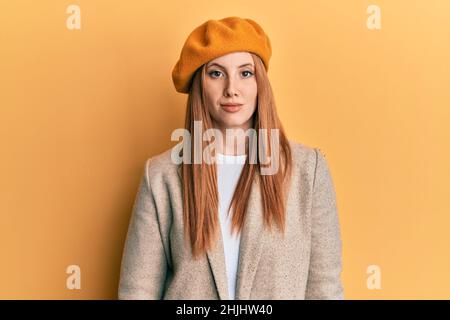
(215, 38)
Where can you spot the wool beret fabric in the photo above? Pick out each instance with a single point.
(215, 38)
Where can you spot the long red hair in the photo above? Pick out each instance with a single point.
(199, 181)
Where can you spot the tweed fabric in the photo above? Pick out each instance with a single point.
(304, 264)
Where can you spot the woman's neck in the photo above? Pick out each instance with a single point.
(234, 146)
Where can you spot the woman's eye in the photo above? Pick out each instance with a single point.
(216, 73)
(212, 73)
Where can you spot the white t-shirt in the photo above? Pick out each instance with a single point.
(229, 169)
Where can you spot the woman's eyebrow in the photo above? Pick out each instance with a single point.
(216, 64)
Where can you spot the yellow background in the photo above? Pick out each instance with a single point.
(81, 111)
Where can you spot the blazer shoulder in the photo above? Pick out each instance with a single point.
(161, 165)
(307, 157)
(302, 152)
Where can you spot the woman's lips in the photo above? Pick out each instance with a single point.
(231, 107)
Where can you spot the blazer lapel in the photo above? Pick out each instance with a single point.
(217, 263)
(253, 239)
(216, 259)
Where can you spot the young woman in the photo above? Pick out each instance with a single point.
(227, 229)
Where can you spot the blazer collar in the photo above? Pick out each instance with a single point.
(252, 243)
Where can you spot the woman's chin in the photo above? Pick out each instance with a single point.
(234, 124)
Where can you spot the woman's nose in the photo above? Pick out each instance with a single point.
(230, 88)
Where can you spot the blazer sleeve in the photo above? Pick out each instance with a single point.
(325, 261)
(144, 265)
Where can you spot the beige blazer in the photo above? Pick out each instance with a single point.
(305, 264)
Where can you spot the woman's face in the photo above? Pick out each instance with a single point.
(230, 79)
